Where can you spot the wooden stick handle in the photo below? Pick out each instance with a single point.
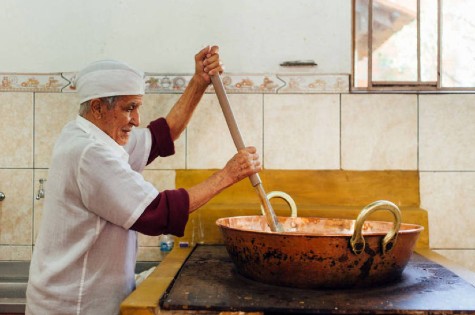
(231, 121)
(272, 221)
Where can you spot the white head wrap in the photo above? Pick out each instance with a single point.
(108, 78)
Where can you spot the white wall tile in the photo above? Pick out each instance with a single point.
(16, 133)
(52, 112)
(16, 209)
(447, 132)
(465, 258)
(161, 179)
(301, 131)
(379, 132)
(10, 252)
(209, 142)
(449, 198)
(156, 106)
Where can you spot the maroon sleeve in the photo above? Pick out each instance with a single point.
(166, 214)
(162, 143)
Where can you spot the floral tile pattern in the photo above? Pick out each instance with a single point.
(159, 83)
(24, 82)
(251, 83)
(338, 83)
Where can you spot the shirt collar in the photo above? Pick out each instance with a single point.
(100, 136)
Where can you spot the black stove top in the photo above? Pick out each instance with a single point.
(209, 281)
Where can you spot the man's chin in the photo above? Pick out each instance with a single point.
(123, 140)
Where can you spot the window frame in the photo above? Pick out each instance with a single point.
(417, 86)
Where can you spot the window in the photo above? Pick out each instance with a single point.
(414, 45)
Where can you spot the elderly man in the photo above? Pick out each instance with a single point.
(97, 201)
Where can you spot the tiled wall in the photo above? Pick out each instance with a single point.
(434, 134)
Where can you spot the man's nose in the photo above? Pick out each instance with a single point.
(135, 118)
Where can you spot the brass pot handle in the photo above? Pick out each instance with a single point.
(357, 241)
(288, 200)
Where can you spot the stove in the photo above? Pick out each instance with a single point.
(208, 281)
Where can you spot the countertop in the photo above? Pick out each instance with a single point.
(145, 299)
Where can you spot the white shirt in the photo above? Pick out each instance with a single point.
(84, 257)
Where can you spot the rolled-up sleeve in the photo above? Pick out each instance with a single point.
(162, 143)
(167, 214)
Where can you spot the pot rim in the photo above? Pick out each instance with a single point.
(406, 228)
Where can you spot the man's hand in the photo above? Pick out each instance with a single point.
(207, 63)
(243, 164)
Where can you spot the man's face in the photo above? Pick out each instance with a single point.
(119, 121)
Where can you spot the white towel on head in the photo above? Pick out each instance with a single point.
(108, 78)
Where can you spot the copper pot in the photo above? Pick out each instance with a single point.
(321, 253)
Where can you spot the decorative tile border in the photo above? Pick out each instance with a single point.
(32, 82)
(68, 76)
(252, 83)
(176, 83)
(317, 83)
(166, 83)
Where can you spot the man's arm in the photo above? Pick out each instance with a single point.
(207, 63)
(168, 213)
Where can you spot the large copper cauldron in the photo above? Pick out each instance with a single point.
(321, 253)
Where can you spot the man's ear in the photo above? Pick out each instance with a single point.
(96, 108)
